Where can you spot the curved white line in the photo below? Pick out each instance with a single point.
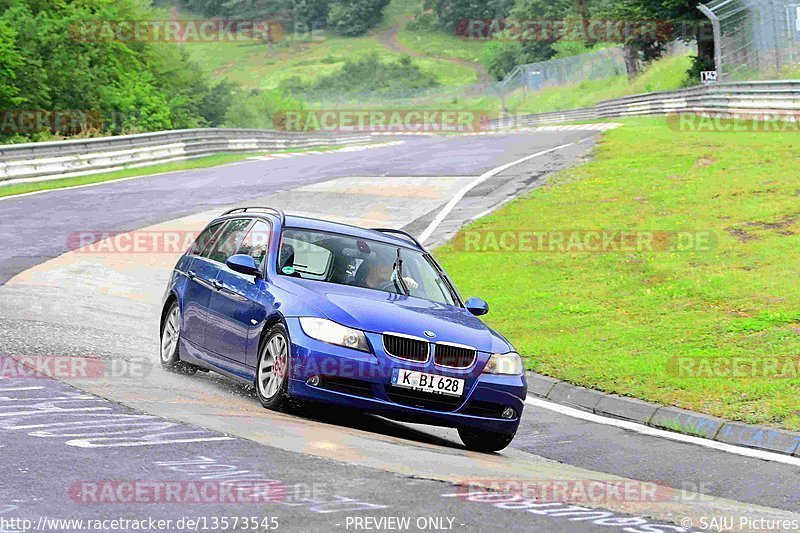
(477, 181)
(653, 432)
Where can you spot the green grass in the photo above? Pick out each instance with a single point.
(441, 44)
(453, 60)
(265, 66)
(201, 162)
(613, 321)
(666, 74)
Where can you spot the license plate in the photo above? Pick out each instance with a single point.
(421, 381)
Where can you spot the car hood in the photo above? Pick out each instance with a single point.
(378, 312)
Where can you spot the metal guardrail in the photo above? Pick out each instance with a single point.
(756, 99)
(58, 159)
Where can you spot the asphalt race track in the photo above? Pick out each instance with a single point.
(71, 446)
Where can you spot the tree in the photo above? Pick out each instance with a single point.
(50, 60)
(454, 13)
(678, 19)
(355, 17)
(10, 63)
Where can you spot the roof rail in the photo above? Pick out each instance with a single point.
(279, 213)
(402, 233)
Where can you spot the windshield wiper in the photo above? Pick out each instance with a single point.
(397, 270)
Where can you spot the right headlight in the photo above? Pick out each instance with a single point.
(506, 364)
(333, 333)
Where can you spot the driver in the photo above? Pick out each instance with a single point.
(376, 273)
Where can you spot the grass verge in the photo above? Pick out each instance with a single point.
(620, 321)
(665, 74)
(201, 162)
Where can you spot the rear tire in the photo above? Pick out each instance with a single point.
(272, 372)
(484, 441)
(170, 342)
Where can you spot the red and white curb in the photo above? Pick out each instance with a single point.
(354, 148)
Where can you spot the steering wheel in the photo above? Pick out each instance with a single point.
(391, 286)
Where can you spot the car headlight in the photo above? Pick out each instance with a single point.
(328, 331)
(506, 364)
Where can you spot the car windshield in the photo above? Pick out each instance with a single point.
(345, 260)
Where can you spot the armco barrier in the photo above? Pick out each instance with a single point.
(744, 98)
(71, 158)
(59, 159)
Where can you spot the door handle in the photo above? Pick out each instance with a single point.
(217, 284)
(192, 274)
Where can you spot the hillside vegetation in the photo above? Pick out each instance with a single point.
(318, 53)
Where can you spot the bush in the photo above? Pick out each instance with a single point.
(367, 75)
(258, 109)
(355, 17)
(500, 58)
(427, 21)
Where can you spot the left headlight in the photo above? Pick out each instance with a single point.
(328, 331)
(506, 364)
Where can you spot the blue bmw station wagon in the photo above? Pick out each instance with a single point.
(311, 310)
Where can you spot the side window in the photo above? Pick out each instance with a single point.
(228, 240)
(204, 239)
(256, 243)
(306, 259)
(312, 261)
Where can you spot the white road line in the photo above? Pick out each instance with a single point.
(653, 432)
(480, 179)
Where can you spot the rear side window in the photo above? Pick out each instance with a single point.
(256, 243)
(228, 240)
(204, 240)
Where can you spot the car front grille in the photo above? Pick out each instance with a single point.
(405, 348)
(454, 356)
(422, 399)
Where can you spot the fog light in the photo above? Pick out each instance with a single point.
(313, 381)
(508, 413)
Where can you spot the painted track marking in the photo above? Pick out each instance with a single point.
(448, 208)
(654, 432)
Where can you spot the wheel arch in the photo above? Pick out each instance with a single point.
(167, 304)
(269, 323)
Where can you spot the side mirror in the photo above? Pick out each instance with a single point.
(243, 264)
(476, 306)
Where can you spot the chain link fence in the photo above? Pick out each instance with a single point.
(754, 39)
(595, 65)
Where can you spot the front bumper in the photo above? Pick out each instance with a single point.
(362, 381)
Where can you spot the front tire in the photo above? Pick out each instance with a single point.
(484, 441)
(272, 372)
(170, 342)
